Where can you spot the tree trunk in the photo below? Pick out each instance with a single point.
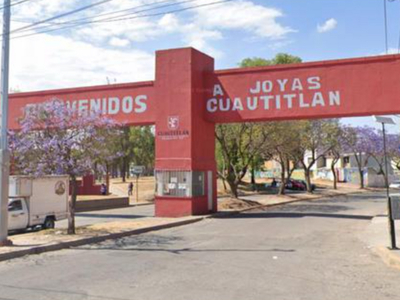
(283, 180)
(72, 204)
(361, 178)
(253, 177)
(123, 170)
(334, 176)
(224, 184)
(127, 169)
(108, 179)
(307, 175)
(234, 188)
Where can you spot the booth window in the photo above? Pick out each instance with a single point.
(180, 183)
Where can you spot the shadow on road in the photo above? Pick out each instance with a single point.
(181, 250)
(159, 243)
(258, 215)
(306, 209)
(320, 208)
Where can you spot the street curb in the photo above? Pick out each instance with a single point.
(140, 204)
(389, 258)
(96, 239)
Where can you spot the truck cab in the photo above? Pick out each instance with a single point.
(18, 215)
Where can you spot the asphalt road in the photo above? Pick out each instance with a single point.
(308, 250)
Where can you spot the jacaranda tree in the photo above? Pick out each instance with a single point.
(57, 140)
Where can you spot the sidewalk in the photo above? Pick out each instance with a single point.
(57, 239)
(378, 240)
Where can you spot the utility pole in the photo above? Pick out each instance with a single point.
(391, 223)
(4, 152)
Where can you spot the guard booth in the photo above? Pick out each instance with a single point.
(186, 187)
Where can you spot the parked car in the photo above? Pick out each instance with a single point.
(313, 186)
(297, 185)
(395, 184)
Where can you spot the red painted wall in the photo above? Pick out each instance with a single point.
(361, 87)
(130, 103)
(87, 186)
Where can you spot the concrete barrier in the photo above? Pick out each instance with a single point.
(100, 204)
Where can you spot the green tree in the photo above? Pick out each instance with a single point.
(335, 147)
(124, 146)
(143, 141)
(282, 145)
(254, 62)
(314, 144)
(238, 145)
(242, 147)
(279, 59)
(285, 59)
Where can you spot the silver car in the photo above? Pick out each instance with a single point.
(395, 184)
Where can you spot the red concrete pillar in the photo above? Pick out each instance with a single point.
(185, 142)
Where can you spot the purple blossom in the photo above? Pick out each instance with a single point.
(55, 139)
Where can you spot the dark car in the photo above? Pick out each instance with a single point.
(313, 186)
(296, 185)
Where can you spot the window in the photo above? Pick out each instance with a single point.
(321, 163)
(15, 205)
(180, 183)
(197, 184)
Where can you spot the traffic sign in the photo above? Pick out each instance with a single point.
(137, 170)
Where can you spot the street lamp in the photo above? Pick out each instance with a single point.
(391, 224)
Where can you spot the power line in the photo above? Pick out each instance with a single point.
(91, 17)
(60, 15)
(14, 3)
(115, 19)
(129, 9)
(128, 18)
(79, 21)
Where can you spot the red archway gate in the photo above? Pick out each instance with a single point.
(188, 97)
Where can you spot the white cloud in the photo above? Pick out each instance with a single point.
(117, 42)
(199, 38)
(327, 26)
(243, 15)
(81, 56)
(169, 22)
(47, 62)
(391, 51)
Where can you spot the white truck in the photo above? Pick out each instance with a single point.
(37, 201)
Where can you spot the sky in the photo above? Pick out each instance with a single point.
(124, 51)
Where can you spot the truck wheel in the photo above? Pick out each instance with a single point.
(48, 223)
